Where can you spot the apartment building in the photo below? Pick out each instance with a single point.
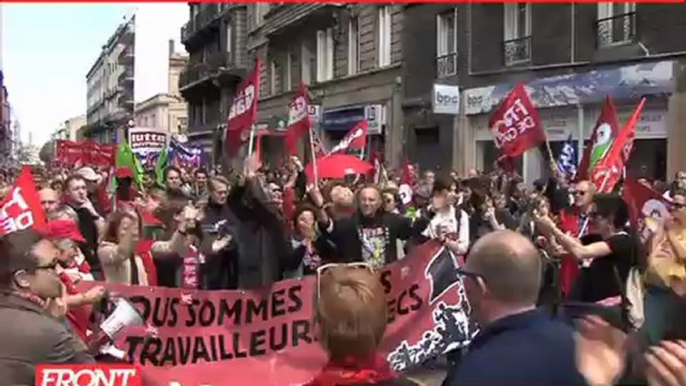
(570, 56)
(167, 111)
(6, 137)
(349, 56)
(110, 85)
(215, 38)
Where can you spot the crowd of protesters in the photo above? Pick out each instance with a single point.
(534, 258)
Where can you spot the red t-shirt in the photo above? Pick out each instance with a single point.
(77, 316)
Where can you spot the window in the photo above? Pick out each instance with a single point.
(305, 64)
(325, 55)
(517, 39)
(229, 38)
(384, 36)
(273, 75)
(353, 46)
(446, 39)
(616, 23)
(287, 79)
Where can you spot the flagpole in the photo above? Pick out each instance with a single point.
(251, 144)
(314, 158)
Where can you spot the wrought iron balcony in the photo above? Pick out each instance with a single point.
(616, 30)
(517, 51)
(208, 13)
(192, 74)
(446, 65)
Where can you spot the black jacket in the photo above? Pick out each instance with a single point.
(346, 234)
(262, 242)
(89, 231)
(220, 267)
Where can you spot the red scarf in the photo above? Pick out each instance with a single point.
(77, 316)
(190, 276)
(569, 267)
(353, 372)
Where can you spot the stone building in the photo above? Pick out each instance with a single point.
(568, 55)
(215, 38)
(110, 85)
(349, 55)
(167, 110)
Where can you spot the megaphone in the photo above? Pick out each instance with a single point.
(123, 316)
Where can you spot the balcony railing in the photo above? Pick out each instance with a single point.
(207, 14)
(616, 30)
(126, 55)
(193, 73)
(126, 76)
(217, 60)
(446, 65)
(517, 51)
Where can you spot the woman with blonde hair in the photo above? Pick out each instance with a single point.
(351, 317)
(117, 250)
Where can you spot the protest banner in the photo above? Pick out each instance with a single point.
(86, 152)
(21, 207)
(243, 112)
(267, 337)
(147, 142)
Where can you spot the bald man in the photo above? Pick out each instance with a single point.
(49, 200)
(518, 345)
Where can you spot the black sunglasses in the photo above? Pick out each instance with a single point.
(50, 266)
(472, 275)
(677, 206)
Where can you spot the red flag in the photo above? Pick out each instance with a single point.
(606, 129)
(609, 169)
(356, 139)
(407, 177)
(515, 124)
(243, 113)
(298, 119)
(21, 208)
(258, 146)
(647, 208)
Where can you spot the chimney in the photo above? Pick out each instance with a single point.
(171, 47)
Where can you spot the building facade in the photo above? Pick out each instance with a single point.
(110, 85)
(6, 137)
(215, 38)
(570, 56)
(168, 110)
(349, 56)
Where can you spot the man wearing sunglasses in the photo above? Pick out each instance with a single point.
(518, 344)
(30, 333)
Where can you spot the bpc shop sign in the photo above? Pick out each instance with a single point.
(446, 99)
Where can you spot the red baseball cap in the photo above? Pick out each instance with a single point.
(64, 229)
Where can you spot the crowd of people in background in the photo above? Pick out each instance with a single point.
(535, 257)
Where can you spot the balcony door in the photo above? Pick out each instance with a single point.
(517, 33)
(616, 23)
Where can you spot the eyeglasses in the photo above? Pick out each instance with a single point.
(471, 275)
(677, 206)
(325, 267)
(47, 267)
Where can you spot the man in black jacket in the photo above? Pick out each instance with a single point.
(261, 241)
(91, 223)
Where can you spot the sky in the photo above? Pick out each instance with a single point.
(47, 49)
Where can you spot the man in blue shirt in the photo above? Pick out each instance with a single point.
(518, 345)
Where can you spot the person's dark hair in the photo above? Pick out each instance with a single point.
(115, 220)
(72, 178)
(57, 185)
(302, 208)
(611, 206)
(440, 186)
(679, 192)
(200, 171)
(15, 249)
(171, 169)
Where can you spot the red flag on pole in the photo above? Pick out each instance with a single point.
(298, 119)
(21, 208)
(606, 129)
(243, 112)
(609, 169)
(356, 139)
(648, 209)
(515, 125)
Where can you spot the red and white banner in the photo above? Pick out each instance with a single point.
(356, 139)
(604, 132)
(89, 153)
(243, 112)
(609, 169)
(21, 207)
(515, 124)
(648, 209)
(227, 337)
(298, 119)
